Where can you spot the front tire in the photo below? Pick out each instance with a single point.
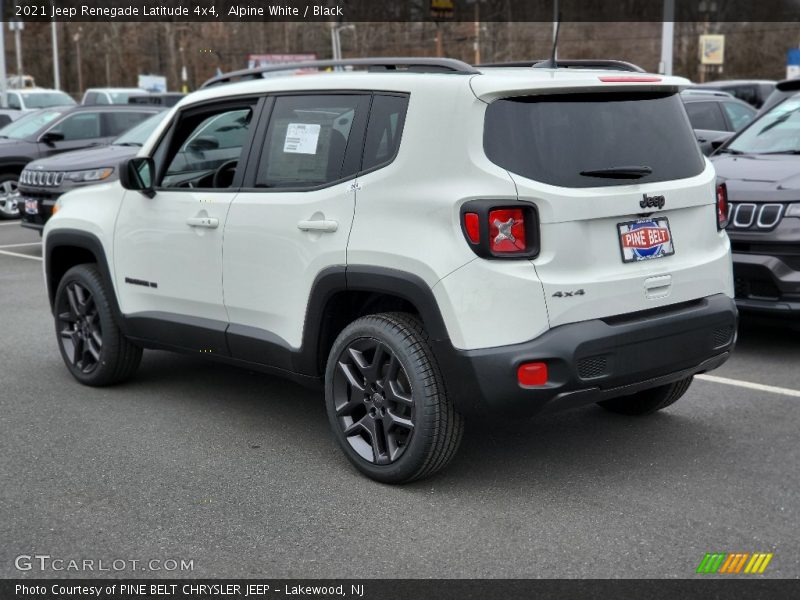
(89, 338)
(648, 401)
(9, 196)
(386, 400)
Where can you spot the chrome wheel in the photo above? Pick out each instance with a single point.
(9, 197)
(374, 401)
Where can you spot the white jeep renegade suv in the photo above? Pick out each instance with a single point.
(425, 239)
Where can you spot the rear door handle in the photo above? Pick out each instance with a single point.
(318, 225)
(207, 222)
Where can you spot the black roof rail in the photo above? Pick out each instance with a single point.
(415, 65)
(576, 63)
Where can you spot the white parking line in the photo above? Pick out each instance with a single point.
(750, 385)
(18, 245)
(18, 255)
(10, 224)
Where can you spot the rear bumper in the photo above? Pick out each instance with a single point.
(594, 360)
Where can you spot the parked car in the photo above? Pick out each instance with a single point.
(783, 90)
(159, 99)
(752, 91)
(761, 169)
(715, 116)
(54, 130)
(44, 180)
(36, 98)
(420, 245)
(7, 115)
(110, 95)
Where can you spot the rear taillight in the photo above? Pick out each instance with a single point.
(497, 229)
(507, 231)
(723, 209)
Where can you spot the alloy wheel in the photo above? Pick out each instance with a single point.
(79, 327)
(9, 197)
(374, 401)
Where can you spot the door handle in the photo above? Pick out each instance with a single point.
(318, 225)
(207, 222)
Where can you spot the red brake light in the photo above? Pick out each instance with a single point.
(629, 79)
(472, 227)
(533, 373)
(507, 230)
(723, 208)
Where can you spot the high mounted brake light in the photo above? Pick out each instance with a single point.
(501, 229)
(629, 79)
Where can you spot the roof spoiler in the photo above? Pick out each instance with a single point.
(577, 63)
(788, 85)
(415, 65)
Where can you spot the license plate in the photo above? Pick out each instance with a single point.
(645, 239)
(32, 207)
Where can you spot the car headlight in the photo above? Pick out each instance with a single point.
(89, 175)
(793, 210)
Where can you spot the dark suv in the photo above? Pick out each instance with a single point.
(761, 169)
(51, 131)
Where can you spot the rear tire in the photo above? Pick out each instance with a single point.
(386, 400)
(91, 343)
(648, 401)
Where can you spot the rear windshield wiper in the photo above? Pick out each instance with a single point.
(136, 144)
(619, 172)
(781, 152)
(729, 151)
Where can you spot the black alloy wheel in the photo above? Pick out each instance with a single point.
(80, 333)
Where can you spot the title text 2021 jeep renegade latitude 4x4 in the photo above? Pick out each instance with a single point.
(427, 243)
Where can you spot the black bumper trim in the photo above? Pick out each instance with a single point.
(593, 360)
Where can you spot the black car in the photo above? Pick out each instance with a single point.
(715, 116)
(761, 170)
(752, 91)
(44, 180)
(55, 130)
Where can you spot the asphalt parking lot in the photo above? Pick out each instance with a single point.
(236, 471)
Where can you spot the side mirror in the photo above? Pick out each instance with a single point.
(718, 143)
(51, 137)
(137, 174)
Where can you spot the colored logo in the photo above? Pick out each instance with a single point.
(735, 563)
(645, 238)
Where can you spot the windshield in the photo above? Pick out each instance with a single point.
(778, 131)
(29, 124)
(588, 140)
(139, 134)
(46, 99)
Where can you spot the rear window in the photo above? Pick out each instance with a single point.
(554, 138)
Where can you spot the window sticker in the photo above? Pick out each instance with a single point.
(301, 138)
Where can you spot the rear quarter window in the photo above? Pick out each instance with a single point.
(553, 138)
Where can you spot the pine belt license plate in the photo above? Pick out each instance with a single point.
(645, 239)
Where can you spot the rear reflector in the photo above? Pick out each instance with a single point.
(723, 208)
(629, 79)
(533, 373)
(472, 226)
(507, 230)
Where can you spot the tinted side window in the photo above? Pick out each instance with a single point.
(90, 98)
(385, 127)
(738, 115)
(561, 139)
(205, 142)
(706, 115)
(13, 101)
(307, 140)
(81, 126)
(117, 123)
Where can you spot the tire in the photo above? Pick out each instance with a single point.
(9, 185)
(89, 338)
(648, 401)
(386, 400)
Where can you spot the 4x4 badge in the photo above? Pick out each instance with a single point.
(652, 201)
